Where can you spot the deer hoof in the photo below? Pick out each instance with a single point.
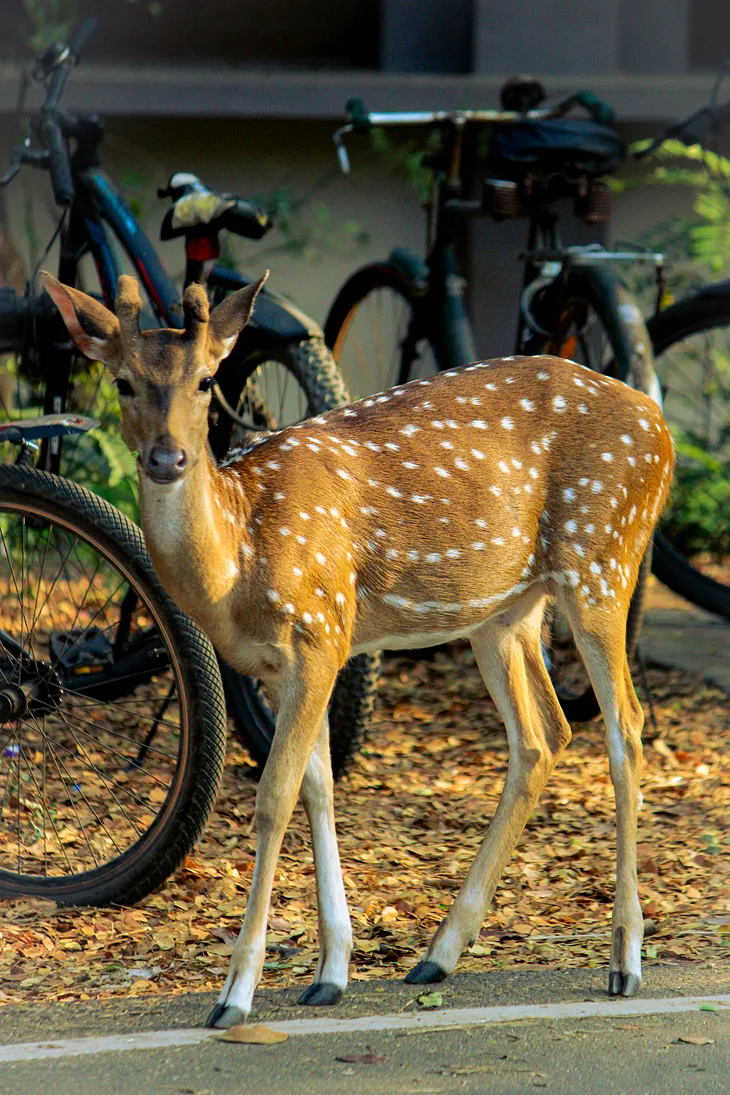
(224, 1016)
(321, 995)
(426, 973)
(623, 984)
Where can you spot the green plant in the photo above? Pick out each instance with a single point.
(697, 518)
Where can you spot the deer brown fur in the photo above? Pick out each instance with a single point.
(452, 506)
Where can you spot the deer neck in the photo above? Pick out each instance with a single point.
(196, 531)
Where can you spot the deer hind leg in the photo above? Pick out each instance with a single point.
(335, 929)
(509, 657)
(302, 709)
(602, 644)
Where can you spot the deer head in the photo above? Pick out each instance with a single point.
(163, 376)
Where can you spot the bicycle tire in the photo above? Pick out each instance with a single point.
(702, 312)
(172, 834)
(394, 341)
(353, 697)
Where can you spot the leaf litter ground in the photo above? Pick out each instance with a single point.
(411, 815)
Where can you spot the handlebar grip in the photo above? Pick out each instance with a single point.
(600, 112)
(58, 164)
(82, 35)
(358, 115)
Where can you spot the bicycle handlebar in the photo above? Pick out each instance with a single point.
(55, 65)
(362, 121)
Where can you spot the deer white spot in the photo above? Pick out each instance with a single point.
(595, 569)
(578, 548)
(288, 608)
(442, 472)
(413, 556)
(437, 425)
(273, 465)
(569, 495)
(381, 533)
(477, 454)
(409, 430)
(478, 424)
(503, 467)
(582, 408)
(527, 404)
(446, 445)
(320, 617)
(559, 404)
(607, 456)
(321, 559)
(573, 577)
(285, 531)
(543, 376)
(644, 424)
(478, 545)
(433, 557)
(391, 553)
(496, 491)
(279, 496)
(396, 601)
(597, 486)
(533, 473)
(297, 571)
(571, 526)
(627, 439)
(461, 464)
(453, 553)
(578, 382)
(273, 596)
(409, 464)
(420, 499)
(372, 446)
(590, 528)
(340, 598)
(307, 617)
(507, 424)
(498, 541)
(392, 446)
(516, 532)
(301, 539)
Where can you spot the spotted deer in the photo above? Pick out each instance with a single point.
(449, 507)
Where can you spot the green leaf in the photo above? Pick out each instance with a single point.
(430, 1000)
(709, 1007)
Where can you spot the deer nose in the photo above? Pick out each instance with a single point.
(166, 463)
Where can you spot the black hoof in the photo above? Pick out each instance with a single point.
(223, 1017)
(426, 973)
(623, 984)
(321, 995)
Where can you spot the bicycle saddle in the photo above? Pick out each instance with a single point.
(569, 145)
(198, 210)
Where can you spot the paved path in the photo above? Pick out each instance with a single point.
(505, 1032)
(677, 634)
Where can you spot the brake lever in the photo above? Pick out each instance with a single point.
(342, 156)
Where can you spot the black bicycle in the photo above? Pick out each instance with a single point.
(406, 317)
(279, 371)
(112, 716)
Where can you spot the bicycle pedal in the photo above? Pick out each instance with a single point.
(81, 651)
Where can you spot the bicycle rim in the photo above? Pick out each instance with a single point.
(93, 760)
(377, 344)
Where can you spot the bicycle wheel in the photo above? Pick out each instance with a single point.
(692, 547)
(373, 332)
(272, 388)
(583, 319)
(112, 718)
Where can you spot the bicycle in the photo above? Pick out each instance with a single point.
(692, 355)
(279, 371)
(408, 314)
(112, 718)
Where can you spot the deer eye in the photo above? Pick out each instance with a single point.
(206, 384)
(124, 387)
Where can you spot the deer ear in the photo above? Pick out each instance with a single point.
(231, 316)
(94, 329)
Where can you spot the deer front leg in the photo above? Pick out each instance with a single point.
(510, 661)
(335, 929)
(303, 705)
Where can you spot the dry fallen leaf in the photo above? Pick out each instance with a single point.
(696, 1040)
(255, 1034)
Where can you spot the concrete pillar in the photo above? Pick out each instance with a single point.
(654, 36)
(546, 36)
(426, 35)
